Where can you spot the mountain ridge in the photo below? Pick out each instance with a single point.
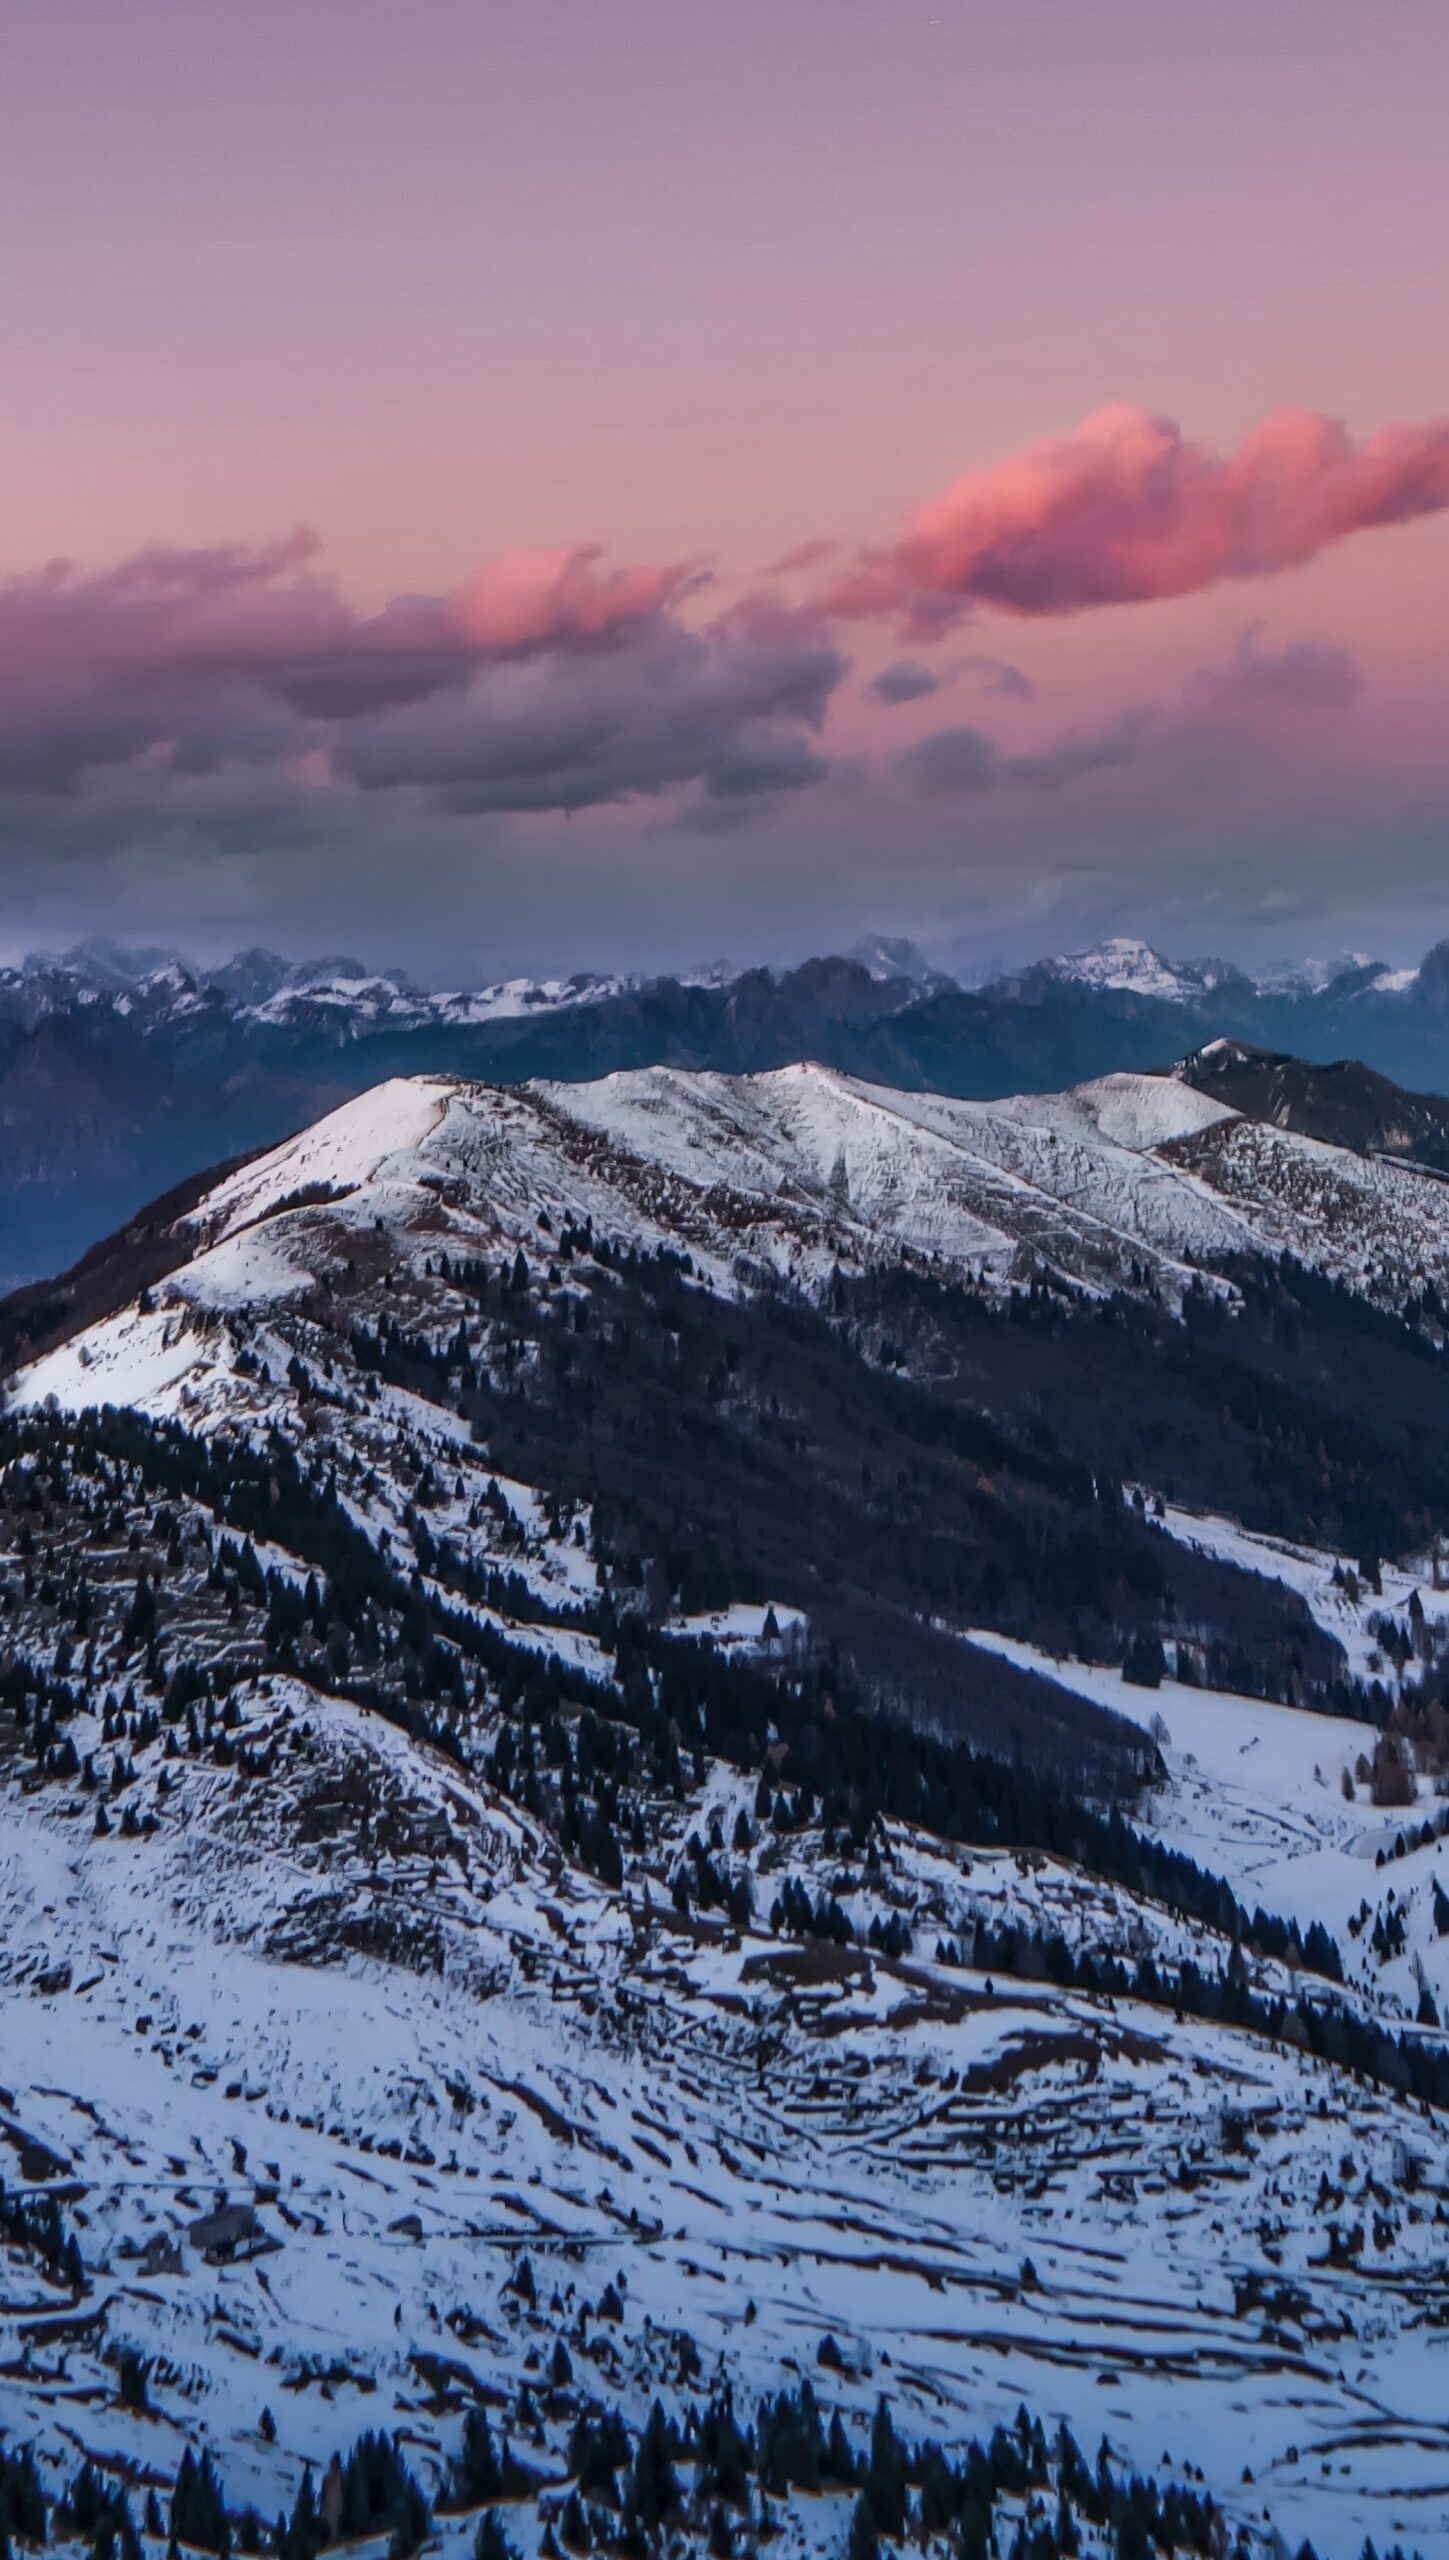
(113, 1087)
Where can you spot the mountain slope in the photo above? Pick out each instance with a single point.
(806, 1168)
(1010, 1308)
(1344, 1104)
(578, 1685)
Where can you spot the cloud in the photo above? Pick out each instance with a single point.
(549, 680)
(805, 555)
(952, 762)
(907, 680)
(194, 654)
(999, 674)
(531, 600)
(774, 764)
(949, 762)
(1073, 757)
(227, 720)
(1127, 510)
(671, 708)
(1304, 675)
(904, 681)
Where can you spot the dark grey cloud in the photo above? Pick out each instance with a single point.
(1073, 757)
(906, 680)
(1304, 675)
(955, 761)
(951, 761)
(910, 680)
(227, 653)
(772, 764)
(724, 709)
(999, 676)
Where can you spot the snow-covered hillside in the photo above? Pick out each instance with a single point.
(797, 1171)
(427, 1829)
(888, 2174)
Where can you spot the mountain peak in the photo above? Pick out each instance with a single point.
(892, 957)
(1124, 964)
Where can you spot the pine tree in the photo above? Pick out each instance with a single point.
(654, 2493)
(490, 2541)
(864, 2541)
(885, 2479)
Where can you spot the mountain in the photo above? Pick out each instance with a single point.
(1344, 1104)
(119, 1073)
(892, 958)
(1123, 966)
(1351, 973)
(719, 1822)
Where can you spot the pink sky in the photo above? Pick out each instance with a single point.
(701, 283)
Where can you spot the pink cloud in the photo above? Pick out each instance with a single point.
(269, 612)
(1126, 510)
(560, 598)
(803, 555)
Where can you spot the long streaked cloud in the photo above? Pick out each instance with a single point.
(93, 666)
(549, 680)
(1127, 510)
(953, 763)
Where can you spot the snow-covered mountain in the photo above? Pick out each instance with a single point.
(351, 1001)
(1351, 973)
(1129, 1181)
(606, 1800)
(892, 959)
(449, 1836)
(1123, 965)
(258, 987)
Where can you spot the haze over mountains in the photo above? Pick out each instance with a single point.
(120, 1072)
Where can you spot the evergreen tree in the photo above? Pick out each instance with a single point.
(654, 2493)
(490, 2541)
(864, 2540)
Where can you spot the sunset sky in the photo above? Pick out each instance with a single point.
(549, 483)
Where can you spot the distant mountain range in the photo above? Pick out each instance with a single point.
(1122, 965)
(120, 1071)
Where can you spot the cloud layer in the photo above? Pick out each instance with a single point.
(213, 716)
(546, 681)
(553, 679)
(1127, 510)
